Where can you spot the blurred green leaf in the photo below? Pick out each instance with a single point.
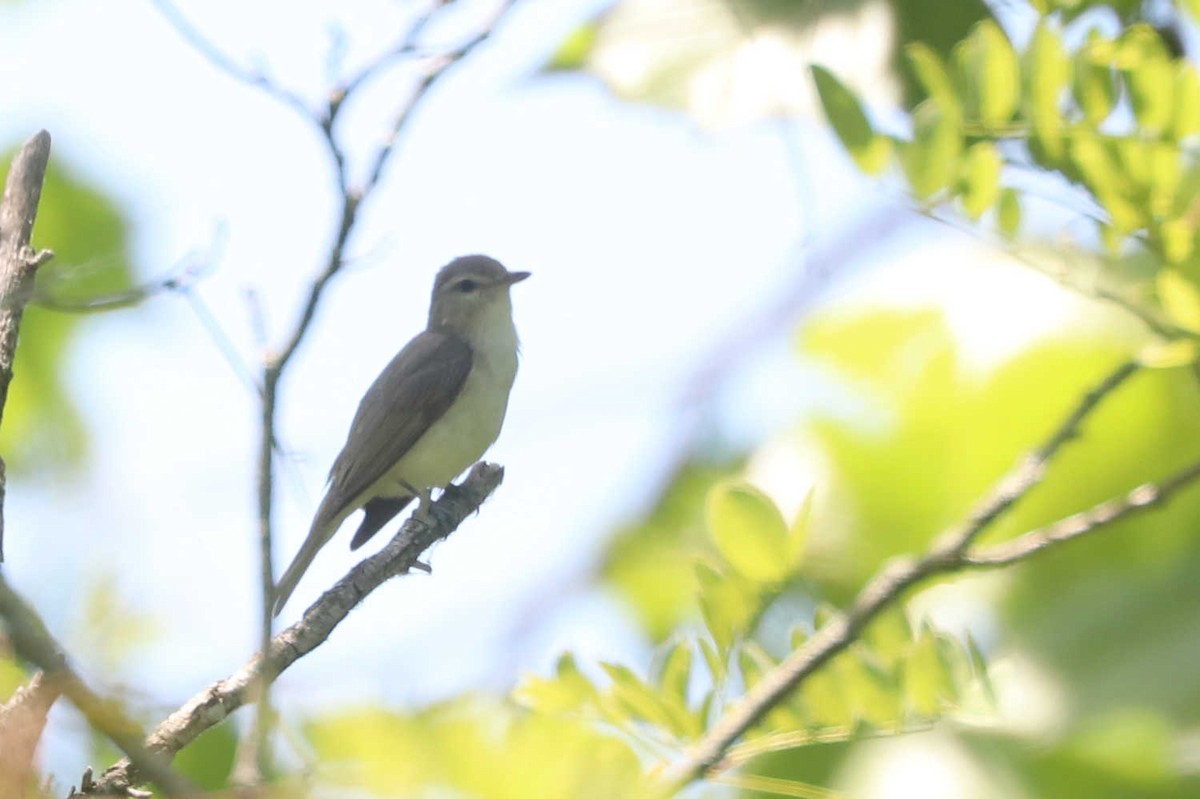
(1169, 354)
(573, 52)
(208, 761)
(870, 151)
(1008, 213)
(1186, 122)
(567, 690)
(980, 178)
(12, 676)
(991, 72)
(468, 748)
(749, 532)
(647, 562)
(1180, 298)
(727, 604)
(1095, 82)
(1047, 73)
(931, 159)
(1149, 75)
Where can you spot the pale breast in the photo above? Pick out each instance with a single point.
(469, 426)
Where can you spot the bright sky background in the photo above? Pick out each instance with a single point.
(653, 245)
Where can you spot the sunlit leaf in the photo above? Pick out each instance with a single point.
(980, 178)
(931, 159)
(991, 73)
(1095, 82)
(726, 604)
(1008, 214)
(1180, 298)
(1047, 73)
(1149, 76)
(749, 531)
(1187, 102)
(1169, 354)
(870, 151)
(208, 761)
(567, 690)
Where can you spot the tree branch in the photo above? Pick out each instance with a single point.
(18, 261)
(22, 719)
(948, 554)
(216, 702)
(33, 643)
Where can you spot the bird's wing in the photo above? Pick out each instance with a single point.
(411, 393)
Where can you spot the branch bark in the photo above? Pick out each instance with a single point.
(22, 719)
(217, 701)
(18, 261)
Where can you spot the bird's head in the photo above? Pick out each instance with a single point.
(470, 296)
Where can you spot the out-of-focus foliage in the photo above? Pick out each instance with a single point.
(724, 63)
(644, 562)
(472, 747)
(42, 429)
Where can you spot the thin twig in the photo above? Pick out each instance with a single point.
(216, 702)
(1140, 499)
(1032, 468)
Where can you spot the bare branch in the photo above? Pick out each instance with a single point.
(224, 63)
(216, 702)
(1140, 499)
(1032, 469)
(18, 260)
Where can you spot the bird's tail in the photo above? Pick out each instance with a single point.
(318, 537)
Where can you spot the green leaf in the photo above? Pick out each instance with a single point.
(568, 690)
(932, 74)
(797, 536)
(208, 761)
(870, 151)
(1180, 298)
(749, 532)
(1095, 84)
(1186, 122)
(1169, 354)
(927, 683)
(637, 699)
(991, 73)
(574, 51)
(1009, 213)
(677, 671)
(931, 159)
(726, 604)
(1047, 72)
(1149, 76)
(980, 178)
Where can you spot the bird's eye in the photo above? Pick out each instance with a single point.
(467, 286)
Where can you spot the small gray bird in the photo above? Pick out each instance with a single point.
(431, 413)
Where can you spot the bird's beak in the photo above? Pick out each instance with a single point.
(515, 277)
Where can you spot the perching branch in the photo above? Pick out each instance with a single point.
(216, 702)
(18, 261)
(951, 553)
(433, 67)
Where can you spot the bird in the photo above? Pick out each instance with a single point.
(432, 412)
